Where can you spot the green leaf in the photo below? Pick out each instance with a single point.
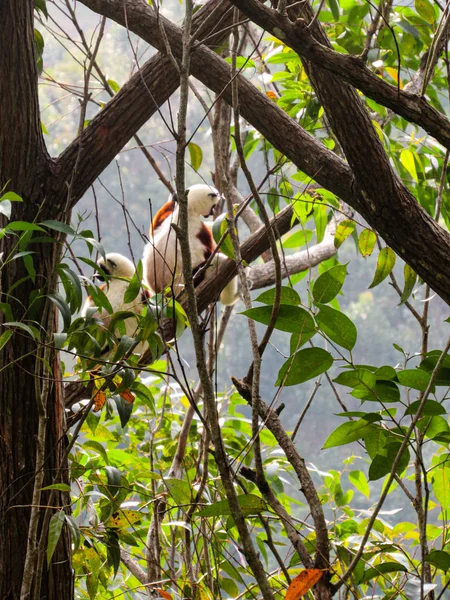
(407, 156)
(5, 337)
(382, 463)
(440, 480)
(114, 85)
(63, 309)
(113, 551)
(133, 289)
(425, 10)
(242, 62)
(11, 196)
(196, 155)
(410, 282)
(386, 373)
(385, 264)
(23, 226)
(180, 491)
(366, 242)
(359, 480)
(288, 296)
(347, 433)
(74, 532)
(32, 331)
(125, 409)
(430, 409)
(219, 228)
(320, 220)
(343, 231)
(329, 284)
(382, 568)
(298, 239)
(54, 533)
(62, 487)
(41, 7)
(114, 477)
(334, 6)
(290, 318)
(58, 226)
(439, 559)
(337, 326)
(250, 504)
(357, 378)
(417, 379)
(304, 365)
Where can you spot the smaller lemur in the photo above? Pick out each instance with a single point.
(119, 270)
(162, 256)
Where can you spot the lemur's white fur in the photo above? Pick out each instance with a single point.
(120, 270)
(162, 256)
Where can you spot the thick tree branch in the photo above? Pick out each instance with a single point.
(139, 99)
(350, 68)
(387, 205)
(22, 148)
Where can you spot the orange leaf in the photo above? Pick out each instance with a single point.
(127, 396)
(99, 400)
(271, 95)
(164, 594)
(302, 583)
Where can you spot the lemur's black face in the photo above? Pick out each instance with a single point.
(104, 271)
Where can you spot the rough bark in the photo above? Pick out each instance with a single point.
(24, 168)
(377, 195)
(137, 101)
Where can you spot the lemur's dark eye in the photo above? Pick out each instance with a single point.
(213, 194)
(113, 265)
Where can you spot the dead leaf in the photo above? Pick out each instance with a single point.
(271, 95)
(99, 400)
(127, 396)
(302, 583)
(164, 594)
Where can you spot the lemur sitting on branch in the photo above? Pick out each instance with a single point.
(162, 255)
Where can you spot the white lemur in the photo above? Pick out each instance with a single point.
(119, 270)
(162, 256)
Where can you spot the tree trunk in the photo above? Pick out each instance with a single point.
(29, 367)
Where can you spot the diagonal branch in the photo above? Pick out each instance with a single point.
(352, 69)
(379, 195)
(138, 100)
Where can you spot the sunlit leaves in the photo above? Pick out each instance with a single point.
(410, 282)
(359, 480)
(249, 504)
(385, 264)
(425, 10)
(343, 231)
(196, 155)
(440, 479)
(366, 242)
(304, 365)
(418, 379)
(381, 568)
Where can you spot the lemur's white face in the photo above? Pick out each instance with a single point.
(116, 265)
(202, 199)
